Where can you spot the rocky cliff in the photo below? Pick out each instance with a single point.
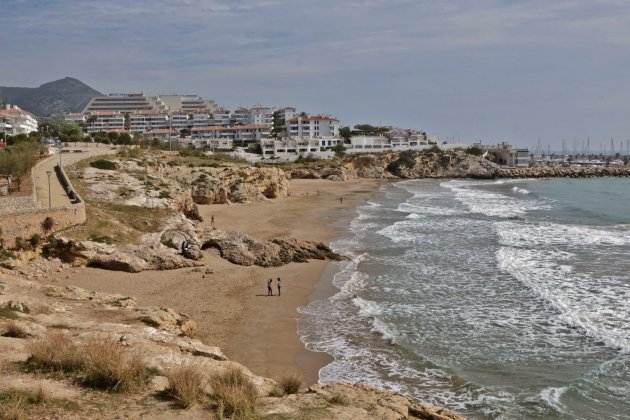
(61, 347)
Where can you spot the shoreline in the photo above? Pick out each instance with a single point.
(229, 302)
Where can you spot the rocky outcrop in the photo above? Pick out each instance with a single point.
(242, 249)
(185, 242)
(129, 258)
(239, 185)
(331, 173)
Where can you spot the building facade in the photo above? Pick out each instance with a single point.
(17, 121)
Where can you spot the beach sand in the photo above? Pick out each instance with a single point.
(230, 304)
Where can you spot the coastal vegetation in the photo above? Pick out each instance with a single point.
(17, 159)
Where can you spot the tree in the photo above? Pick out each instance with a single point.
(339, 150)
(345, 133)
(65, 131)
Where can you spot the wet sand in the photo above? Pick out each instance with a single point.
(230, 303)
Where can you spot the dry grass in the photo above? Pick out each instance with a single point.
(234, 394)
(107, 365)
(13, 330)
(55, 352)
(13, 408)
(185, 385)
(14, 402)
(291, 383)
(103, 363)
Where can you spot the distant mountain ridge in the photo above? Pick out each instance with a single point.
(50, 99)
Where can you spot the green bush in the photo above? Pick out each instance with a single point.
(104, 164)
(406, 159)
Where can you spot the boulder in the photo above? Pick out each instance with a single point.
(242, 249)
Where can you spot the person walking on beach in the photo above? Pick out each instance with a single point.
(212, 222)
(278, 285)
(340, 200)
(269, 289)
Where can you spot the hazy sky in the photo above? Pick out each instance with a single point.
(495, 70)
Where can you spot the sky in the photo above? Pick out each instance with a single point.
(491, 70)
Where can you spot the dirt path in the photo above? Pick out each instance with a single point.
(58, 196)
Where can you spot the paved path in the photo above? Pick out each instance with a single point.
(40, 177)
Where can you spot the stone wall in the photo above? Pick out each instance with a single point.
(25, 220)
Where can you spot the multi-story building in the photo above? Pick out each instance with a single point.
(141, 122)
(221, 116)
(240, 116)
(260, 114)
(280, 119)
(313, 126)
(76, 118)
(105, 121)
(187, 104)
(17, 121)
(239, 134)
(180, 121)
(200, 120)
(375, 144)
(130, 102)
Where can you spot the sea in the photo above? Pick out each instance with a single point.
(498, 299)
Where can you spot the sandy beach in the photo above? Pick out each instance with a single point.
(230, 303)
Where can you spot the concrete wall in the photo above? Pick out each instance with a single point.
(25, 222)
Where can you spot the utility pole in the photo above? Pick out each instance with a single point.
(49, 192)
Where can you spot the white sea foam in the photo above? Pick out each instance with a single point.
(520, 190)
(491, 203)
(552, 396)
(542, 234)
(602, 315)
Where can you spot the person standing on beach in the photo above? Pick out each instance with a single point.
(340, 200)
(278, 285)
(212, 222)
(269, 289)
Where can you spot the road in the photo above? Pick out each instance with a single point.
(40, 177)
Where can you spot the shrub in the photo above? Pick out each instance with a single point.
(234, 394)
(48, 224)
(104, 164)
(55, 352)
(291, 383)
(406, 159)
(7, 313)
(13, 330)
(107, 365)
(185, 385)
(35, 240)
(474, 151)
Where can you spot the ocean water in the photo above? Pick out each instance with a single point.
(499, 299)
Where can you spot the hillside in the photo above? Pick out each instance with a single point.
(50, 99)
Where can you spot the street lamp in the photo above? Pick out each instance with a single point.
(49, 193)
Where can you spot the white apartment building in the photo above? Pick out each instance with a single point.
(313, 126)
(187, 104)
(129, 102)
(289, 150)
(240, 116)
(180, 121)
(200, 120)
(144, 122)
(376, 144)
(17, 121)
(261, 115)
(239, 134)
(76, 118)
(105, 121)
(221, 116)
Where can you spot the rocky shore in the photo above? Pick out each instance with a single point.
(440, 164)
(150, 345)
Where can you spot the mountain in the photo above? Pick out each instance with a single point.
(50, 99)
